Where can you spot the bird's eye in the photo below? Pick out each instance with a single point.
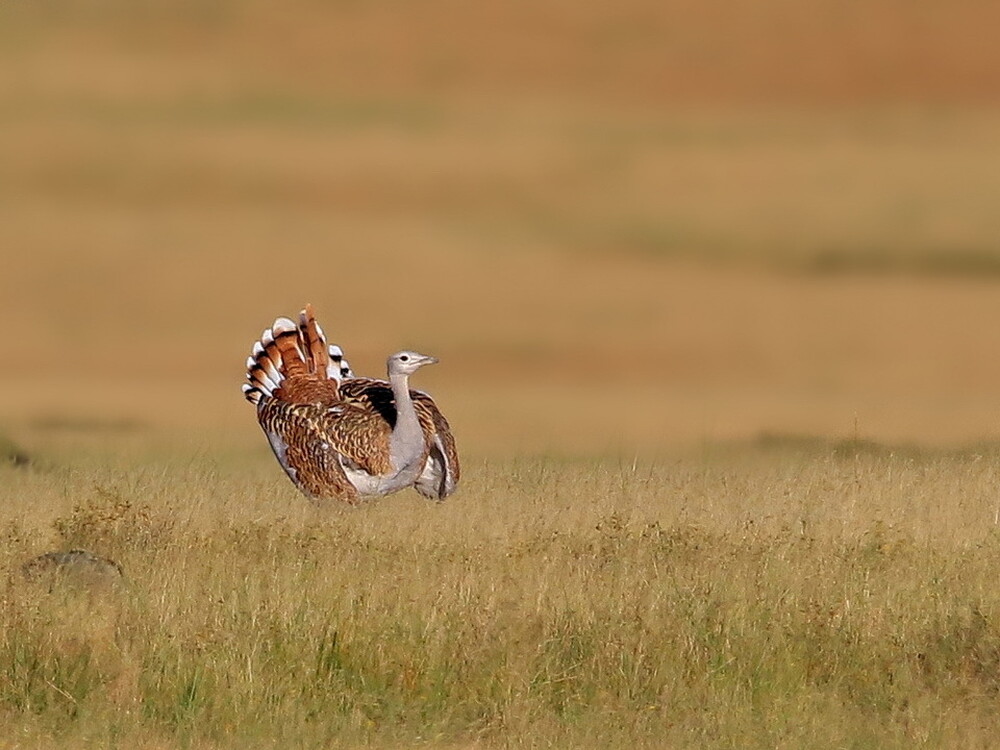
(404, 358)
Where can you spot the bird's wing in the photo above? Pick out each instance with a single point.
(442, 470)
(360, 435)
(298, 434)
(369, 416)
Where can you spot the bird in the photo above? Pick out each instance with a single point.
(345, 438)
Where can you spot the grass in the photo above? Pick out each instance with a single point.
(807, 599)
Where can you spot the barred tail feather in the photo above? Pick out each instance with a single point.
(338, 369)
(311, 335)
(295, 352)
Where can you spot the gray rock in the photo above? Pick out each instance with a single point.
(76, 566)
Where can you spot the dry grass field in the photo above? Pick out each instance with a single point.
(715, 293)
(795, 595)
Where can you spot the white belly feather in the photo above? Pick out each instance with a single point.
(370, 485)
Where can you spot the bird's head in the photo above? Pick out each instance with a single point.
(407, 363)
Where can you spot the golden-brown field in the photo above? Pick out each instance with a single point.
(793, 596)
(715, 294)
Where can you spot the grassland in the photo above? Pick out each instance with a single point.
(782, 595)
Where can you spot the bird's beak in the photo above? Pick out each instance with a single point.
(431, 360)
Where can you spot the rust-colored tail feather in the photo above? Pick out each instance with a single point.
(293, 362)
(290, 348)
(312, 335)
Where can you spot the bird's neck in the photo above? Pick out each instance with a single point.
(406, 445)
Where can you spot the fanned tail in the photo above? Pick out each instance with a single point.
(327, 358)
(294, 362)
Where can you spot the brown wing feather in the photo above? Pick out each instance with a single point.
(360, 435)
(366, 425)
(297, 433)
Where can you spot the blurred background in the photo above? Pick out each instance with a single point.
(623, 226)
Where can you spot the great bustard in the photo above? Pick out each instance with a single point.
(341, 437)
